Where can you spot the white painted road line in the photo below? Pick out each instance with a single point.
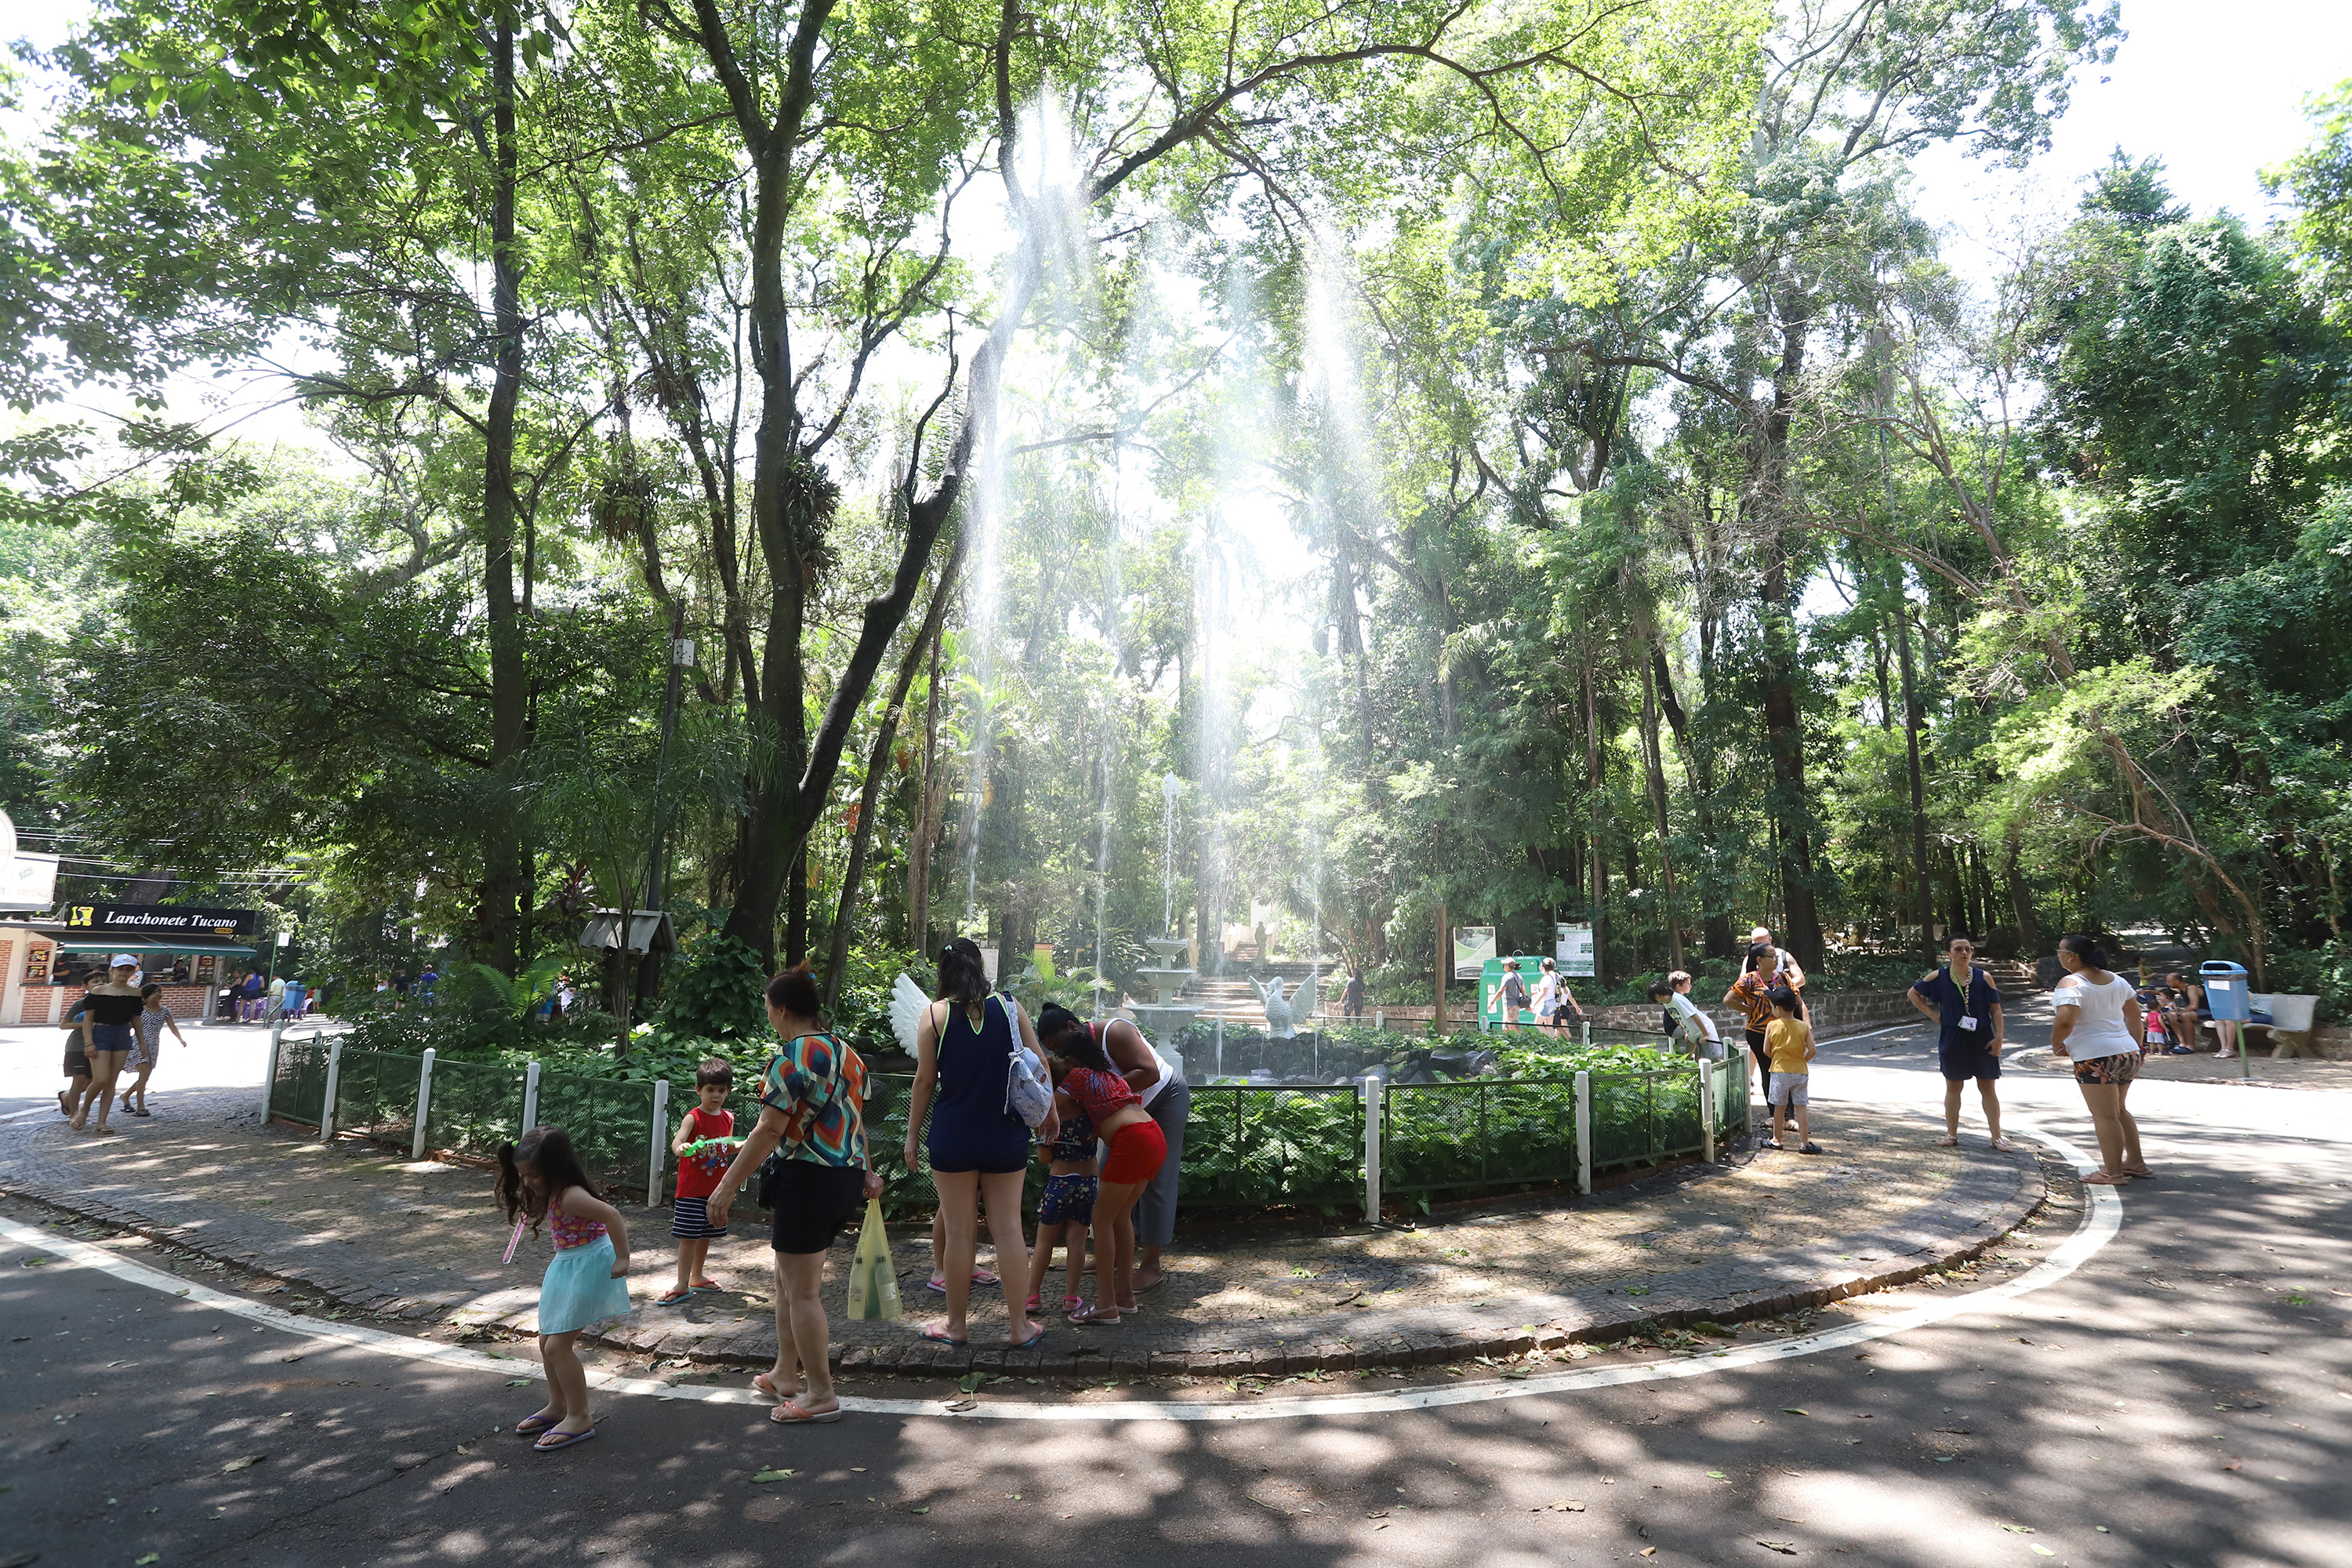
(2101, 1220)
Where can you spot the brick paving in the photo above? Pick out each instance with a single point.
(363, 1229)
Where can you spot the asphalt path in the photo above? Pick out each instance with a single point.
(2183, 1397)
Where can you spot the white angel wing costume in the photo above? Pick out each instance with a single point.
(907, 1004)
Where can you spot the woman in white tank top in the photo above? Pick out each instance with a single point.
(2098, 1027)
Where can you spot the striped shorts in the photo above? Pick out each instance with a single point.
(689, 1219)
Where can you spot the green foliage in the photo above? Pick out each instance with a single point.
(718, 993)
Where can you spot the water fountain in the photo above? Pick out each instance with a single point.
(1164, 1014)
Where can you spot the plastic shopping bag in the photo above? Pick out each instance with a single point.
(873, 1279)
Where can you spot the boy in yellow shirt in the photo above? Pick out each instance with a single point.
(1789, 1040)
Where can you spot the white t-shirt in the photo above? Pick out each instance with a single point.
(2098, 1017)
(1689, 1011)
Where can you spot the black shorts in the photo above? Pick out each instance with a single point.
(813, 1202)
(76, 1063)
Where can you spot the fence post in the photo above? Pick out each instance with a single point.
(334, 1082)
(1584, 1032)
(423, 1104)
(269, 1078)
(1371, 1091)
(1585, 1133)
(1707, 1108)
(658, 1145)
(530, 1098)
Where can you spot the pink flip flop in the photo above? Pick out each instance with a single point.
(789, 1413)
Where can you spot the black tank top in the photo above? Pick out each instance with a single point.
(113, 1011)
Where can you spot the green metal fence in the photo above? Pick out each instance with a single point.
(476, 1107)
(1249, 1145)
(610, 1121)
(375, 1094)
(1640, 1118)
(298, 1087)
(1484, 1133)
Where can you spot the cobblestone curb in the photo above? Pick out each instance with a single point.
(1992, 1195)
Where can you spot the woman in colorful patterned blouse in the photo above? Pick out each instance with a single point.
(813, 1101)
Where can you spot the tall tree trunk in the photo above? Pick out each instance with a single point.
(876, 763)
(1698, 764)
(1919, 788)
(1656, 767)
(931, 801)
(1783, 728)
(796, 903)
(504, 882)
(1595, 822)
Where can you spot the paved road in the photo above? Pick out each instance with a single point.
(2185, 1397)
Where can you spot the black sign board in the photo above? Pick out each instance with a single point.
(132, 921)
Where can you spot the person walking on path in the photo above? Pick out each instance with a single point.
(107, 1037)
(1151, 1224)
(276, 1009)
(2097, 1029)
(1086, 1079)
(1790, 1040)
(1352, 1000)
(979, 1147)
(1966, 1005)
(152, 1020)
(1515, 994)
(1564, 1010)
(1752, 997)
(813, 1103)
(539, 1178)
(698, 1174)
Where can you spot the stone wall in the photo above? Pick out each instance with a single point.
(1833, 1013)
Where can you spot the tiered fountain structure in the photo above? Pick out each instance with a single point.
(1162, 1016)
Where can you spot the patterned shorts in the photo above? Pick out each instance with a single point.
(689, 1219)
(1069, 1198)
(2120, 1068)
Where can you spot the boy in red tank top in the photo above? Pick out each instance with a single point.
(698, 1177)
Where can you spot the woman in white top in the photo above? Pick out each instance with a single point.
(2098, 1028)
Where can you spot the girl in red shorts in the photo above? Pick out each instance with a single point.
(1084, 1079)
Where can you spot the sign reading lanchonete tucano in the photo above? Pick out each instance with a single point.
(160, 919)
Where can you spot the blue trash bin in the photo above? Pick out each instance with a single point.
(2225, 990)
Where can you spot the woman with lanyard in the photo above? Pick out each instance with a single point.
(2098, 1028)
(979, 1147)
(1135, 1151)
(813, 1101)
(107, 1014)
(1148, 1227)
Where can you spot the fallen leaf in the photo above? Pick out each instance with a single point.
(465, 1450)
(970, 1382)
(857, 1469)
(1785, 1548)
(2018, 1528)
(1715, 1475)
(2044, 1551)
(963, 1404)
(1649, 1552)
(924, 1507)
(2233, 1463)
(1793, 1410)
(150, 1557)
(766, 1476)
(291, 1355)
(246, 1463)
(517, 1382)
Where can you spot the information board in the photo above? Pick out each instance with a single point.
(1573, 948)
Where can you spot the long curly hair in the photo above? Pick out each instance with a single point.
(547, 1151)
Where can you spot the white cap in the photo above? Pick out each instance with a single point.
(123, 960)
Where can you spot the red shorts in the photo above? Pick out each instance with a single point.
(1137, 1152)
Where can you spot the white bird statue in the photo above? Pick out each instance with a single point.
(1283, 1013)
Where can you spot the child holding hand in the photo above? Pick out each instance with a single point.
(697, 1178)
(1066, 1211)
(539, 1178)
(1789, 1040)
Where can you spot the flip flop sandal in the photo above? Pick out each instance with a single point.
(532, 1425)
(556, 1441)
(707, 1287)
(1072, 1303)
(1033, 1303)
(673, 1298)
(1094, 1316)
(789, 1413)
(939, 1338)
(1951, 1142)
(983, 1277)
(766, 1383)
(1031, 1342)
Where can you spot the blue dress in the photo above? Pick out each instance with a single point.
(971, 1127)
(579, 1288)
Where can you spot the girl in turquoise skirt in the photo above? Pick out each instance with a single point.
(539, 1178)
